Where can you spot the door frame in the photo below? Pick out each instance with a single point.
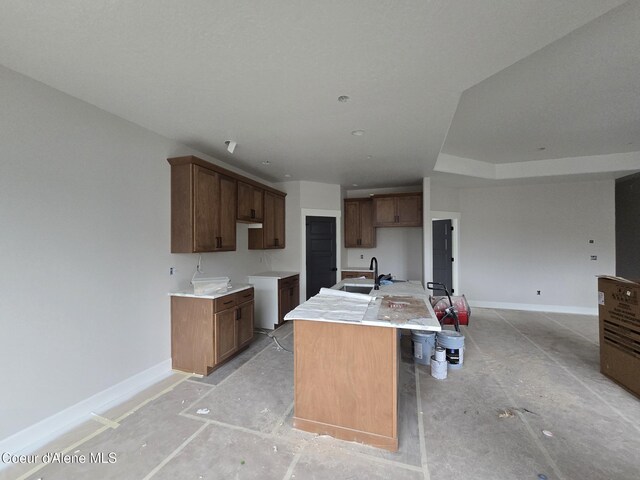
(455, 222)
(310, 212)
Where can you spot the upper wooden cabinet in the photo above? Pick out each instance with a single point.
(249, 203)
(208, 200)
(271, 235)
(397, 210)
(203, 205)
(358, 223)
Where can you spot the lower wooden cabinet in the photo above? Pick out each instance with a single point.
(358, 274)
(277, 293)
(288, 296)
(206, 332)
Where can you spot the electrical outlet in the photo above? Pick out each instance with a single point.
(594, 257)
(172, 270)
(538, 292)
(361, 257)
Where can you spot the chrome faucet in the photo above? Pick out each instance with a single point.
(375, 273)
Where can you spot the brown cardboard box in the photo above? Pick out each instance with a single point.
(619, 315)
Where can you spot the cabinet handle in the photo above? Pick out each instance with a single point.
(238, 314)
(253, 213)
(227, 303)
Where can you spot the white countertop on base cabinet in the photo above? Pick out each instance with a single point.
(272, 274)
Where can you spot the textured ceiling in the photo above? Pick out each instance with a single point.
(268, 74)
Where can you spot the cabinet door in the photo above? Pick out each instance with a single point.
(227, 212)
(367, 231)
(245, 201)
(273, 225)
(278, 216)
(384, 209)
(258, 195)
(288, 298)
(409, 211)
(225, 334)
(249, 203)
(351, 224)
(268, 226)
(244, 319)
(294, 298)
(283, 304)
(206, 210)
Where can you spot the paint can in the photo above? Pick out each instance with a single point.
(438, 368)
(423, 345)
(440, 354)
(453, 343)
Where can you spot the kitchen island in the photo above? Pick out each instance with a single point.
(347, 355)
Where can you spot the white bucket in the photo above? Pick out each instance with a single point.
(438, 368)
(423, 345)
(453, 343)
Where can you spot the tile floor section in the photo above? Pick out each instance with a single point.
(524, 373)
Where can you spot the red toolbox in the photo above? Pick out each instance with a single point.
(439, 303)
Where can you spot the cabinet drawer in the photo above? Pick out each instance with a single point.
(352, 274)
(244, 296)
(223, 303)
(289, 282)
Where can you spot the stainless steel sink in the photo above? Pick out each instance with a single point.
(356, 289)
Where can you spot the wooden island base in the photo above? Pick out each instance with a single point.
(346, 381)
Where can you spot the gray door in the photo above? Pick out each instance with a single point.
(443, 254)
(321, 254)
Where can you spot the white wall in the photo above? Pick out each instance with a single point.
(84, 251)
(519, 239)
(444, 199)
(398, 250)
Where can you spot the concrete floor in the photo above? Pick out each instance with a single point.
(523, 373)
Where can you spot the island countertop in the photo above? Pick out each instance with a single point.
(400, 305)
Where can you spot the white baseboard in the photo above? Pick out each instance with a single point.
(536, 308)
(31, 438)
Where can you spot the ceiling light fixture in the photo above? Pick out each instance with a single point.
(266, 162)
(231, 145)
(354, 184)
(286, 175)
(357, 133)
(343, 98)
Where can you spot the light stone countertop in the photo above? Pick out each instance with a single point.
(418, 314)
(274, 274)
(234, 288)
